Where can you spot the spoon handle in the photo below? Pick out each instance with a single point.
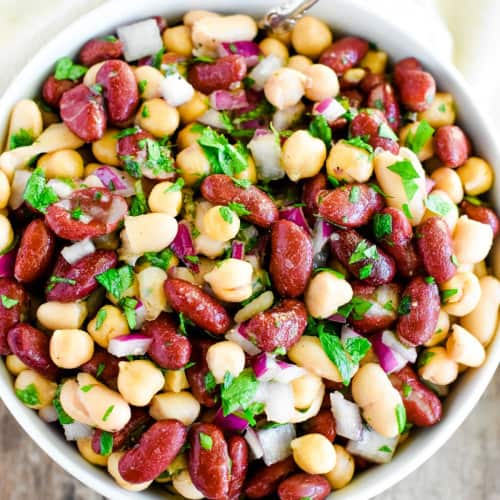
(282, 18)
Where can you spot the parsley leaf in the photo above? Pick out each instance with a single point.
(206, 441)
(319, 128)
(21, 138)
(7, 302)
(401, 417)
(160, 259)
(407, 390)
(358, 307)
(329, 270)
(66, 69)
(128, 304)
(100, 369)
(365, 271)
(448, 293)
(357, 348)
(354, 194)
(333, 181)
(226, 214)
(37, 193)
(385, 449)
(142, 86)
(116, 281)
(438, 205)
(54, 280)
(29, 395)
(158, 156)
(416, 141)
(76, 213)
(107, 413)
(210, 383)
(382, 225)
(238, 392)
(176, 186)
(126, 132)
(359, 143)
(408, 174)
(424, 358)
(404, 305)
(62, 416)
(238, 208)
(264, 108)
(249, 413)
(105, 443)
(430, 280)
(363, 251)
(242, 183)
(139, 203)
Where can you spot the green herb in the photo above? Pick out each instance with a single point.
(7, 302)
(473, 200)
(385, 449)
(142, 86)
(128, 304)
(107, 413)
(160, 259)
(126, 132)
(248, 82)
(249, 413)
(408, 174)
(105, 443)
(424, 358)
(442, 108)
(242, 183)
(407, 390)
(389, 306)
(448, 293)
(205, 441)
(279, 351)
(357, 348)
(145, 112)
(100, 369)
(226, 214)
(404, 307)
(158, 58)
(382, 225)
(435, 203)
(97, 88)
(77, 213)
(333, 181)
(158, 156)
(117, 280)
(21, 138)
(194, 259)
(419, 139)
(359, 143)
(379, 104)
(329, 270)
(131, 166)
(110, 38)
(306, 498)
(37, 193)
(188, 365)
(139, 203)
(238, 208)
(203, 59)
(363, 251)
(86, 388)
(401, 418)
(454, 260)
(378, 190)
(406, 210)
(62, 416)
(358, 307)
(210, 383)
(430, 280)
(66, 69)
(238, 392)
(354, 194)
(264, 108)
(54, 280)
(29, 395)
(385, 131)
(365, 271)
(176, 186)
(319, 128)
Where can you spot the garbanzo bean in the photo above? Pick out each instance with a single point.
(85, 448)
(71, 348)
(105, 149)
(261, 303)
(348, 163)
(231, 281)
(322, 83)
(472, 240)
(285, 87)
(464, 348)
(476, 175)
(375, 61)
(138, 381)
(14, 364)
(310, 37)
(221, 223)
(441, 112)
(178, 39)
(6, 233)
(187, 136)
(299, 63)
(183, 484)
(182, 406)
(41, 391)
(448, 180)
(437, 367)
(193, 164)
(150, 80)
(273, 46)
(152, 292)
(193, 109)
(250, 173)
(165, 199)
(63, 163)
(89, 78)
(225, 356)
(435, 202)
(62, 315)
(427, 150)
(113, 461)
(175, 381)
(195, 15)
(305, 389)
(108, 323)
(5, 190)
(467, 296)
(441, 331)
(157, 117)
(343, 471)
(313, 453)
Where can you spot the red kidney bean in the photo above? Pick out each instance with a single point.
(344, 54)
(423, 407)
(11, 316)
(401, 67)
(291, 258)
(435, 248)
(349, 246)
(354, 97)
(310, 191)
(382, 97)
(280, 326)
(300, 486)
(77, 281)
(352, 205)
(265, 480)
(451, 145)
(82, 111)
(156, 450)
(482, 214)
(31, 346)
(209, 466)
(322, 423)
(417, 90)
(103, 366)
(238, 454)
(53, 90)
(419, 311)
(202, 309)
(384, 143)
(367, 122)
(169, 348)
(35, 252)
(221, 190)
(196, 374)
(100, 49)
(120, 90)
(207, 77)
(106, 211)
(369, 81)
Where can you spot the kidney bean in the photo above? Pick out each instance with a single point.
(209, 467)
(435, 247)
(82, 111)
(291, 258)
(302, 485)
(208, 77)
(352, 205)
(382, 97)
(78, 280)
(156, 450)
(310, 191)
(344, 54)
(100, 49)
(384, 143)
(169, 348)
(422, 301)
(423, 407)
(120, 90)
(196, 374)
(221, 190)
(417, 90)
(367, 123)
(238, 454)
(53, 90)
(11, 316)
(482, 214)
(103, 366)
(369, 81)
(322, 423)
(280, 326)
(451, 145)
(349, 246)
(35, 252)
(266, 479)
(31, 346)
(202, 309)
(106, 211)
(401, 67)
(354, 97)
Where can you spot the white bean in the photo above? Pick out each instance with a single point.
(225, 356)
(231, 281)
(472, 240)
(464, 348)
(182, 406)
(138, 381)
(151, 232)
(285, 87)
(62, 315)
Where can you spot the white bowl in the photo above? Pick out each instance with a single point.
(342, 15)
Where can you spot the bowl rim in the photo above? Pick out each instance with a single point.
(350, 15)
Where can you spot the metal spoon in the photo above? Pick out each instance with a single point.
(283, 18)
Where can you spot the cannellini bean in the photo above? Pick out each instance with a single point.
(343, 471)
(152, 79)
(427, 150)
(90, 76)
(165, 199)
(14, 364)
(71, 348)
(322, 82)
(113, 461)
(472, 240)
(183, 484)
(325, 293)
(285, 87)
(467, 296)
(195, 15)
(349, 163)
(62, 315)
(482, 321)
(178, 39)
(377, 398)
(86, 451)
(5, 190)
(299, 63)
(441, 112)
(464, 348)
(375, 61)
(175, 381)
(193, 164)
(437, 200)
(305, 389)
(182, 406)
(138, 381)
(476, 175)
(261, 303)
(42, 391)
(448, 180)
(26, 116)
(300, 416)
(437, 367)
(311, 36)
(225, 356)
(71, 403)
(151, 291)
(480, 269)
(108, 323)
(231, 281)
(442, 329)
(6, 233)
(151, 232)
(313, 453)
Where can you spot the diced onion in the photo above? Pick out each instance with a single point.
(116, 180)
(183, 245)
(235, 335)
(279, 401)
(330, 108)
(224, 99)
(248, 49)
(321, 236)
(348, 421)
(261, 73)
(348, 333)
(78, 250)
(176, 90)
(296, 215)
(61, 188)
(266, 152)
(390, 360)
(212, 118)
(288, 372)
(390, 340)
(285, 118)
(140, 315)
(373, 447)
(134, 344)
(140, 39)
(253, 442)
(275, 443)
(230, 422)
(76, 430)
(237, 249)
(48, 414)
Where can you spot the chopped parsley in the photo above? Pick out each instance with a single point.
(86, 388)
(406, 210)
(401, 417)
(158, 58)
(107, 413)
(424, 358)
(454, 260)
(354, 194)
(54, 280)
(77, 213)
(226, 214)
(21, 138)
(435, 203)
(358, 307)
(359, 143)
(408, 174)
(139, 203)
(66, 69)
(385, 449)
(389, 306)
(176, 186)
(264, 108)
(416, 141)
(210, 383)
(158, 156)
(100, 369)
(320, 129)
(116, 281)
(29, 395)
(142, 86)
(7, 302)
(37, 193)
(128, 305)
(62, 416)
(473, 200)
(238, 392)
(159, 259)
(105, 443)
(382, 225)
(238, 208)
(329, 270)
(447, 294)
(249, 413)
(145, 111)
(242, 183)
(429, 280)
(126, 132)
(407, 390)
(206, 441)
(363, 251)
(404, 307)
(365, 271)
(333, 181)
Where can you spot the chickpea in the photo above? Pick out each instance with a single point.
(108, 323)
(343, 471)
(313, 453)
(193, 165)
(354, 76)
(441, 112)
(322, 83)
(375, 61)
(5, 190)
(467, 296)
(113, 469)
(62, 315)
(151, 232)
(182, 406)
(175, 381)
(71, 348)
(14, 364)
(349, 163)
(273, 46)
(464, 348)
(250, 173)
(437, 367)
(63, 163)
(232, 280)
(151, 291)
(285, 87)
(437, 200)
(183, 484)
(209, 247)
(225, 356)
(26, 116)
(482, 321)
(442, 329)
(193, 109)
(158, 117)
(325, 293)
(178, 40)
(85, 448)
(71, 403)
(305, 389)
(138, 381)
(309, 354)
(427, 150)
(150, 80)
(220, 223)
(91, 75)
(195, 15)
(105, 149)
(472, 240)
(310, 37)
(165, 199)
(34, 390)
(261, 303)
(299, 63)
(476, 175)
(187, 136)
(449, 181)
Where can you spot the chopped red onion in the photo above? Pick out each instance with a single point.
(295, 214)
(390, 340)
(275, 443)
(238, 250)
(373, 447)
(236, 336)
(253, 442)
(183, 245)
(330, 108)
(230, 422)
(48, 414)
(116, 180)
(348, 333)
(176, 90)
(73, 253)
(288, 372)
(212, 118)
(140, 314)
(390, 360)
(337, 318)
(260, 365)
(249, 50)
(279, 401)
(285, 118)
(347, 417)
(61, 188)
(321, 236)
(264, 70)
(76, 430)
(140, 39)
(267, 155)
(19, 182)
(7, 262)
(223, 99)
(135, 344)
